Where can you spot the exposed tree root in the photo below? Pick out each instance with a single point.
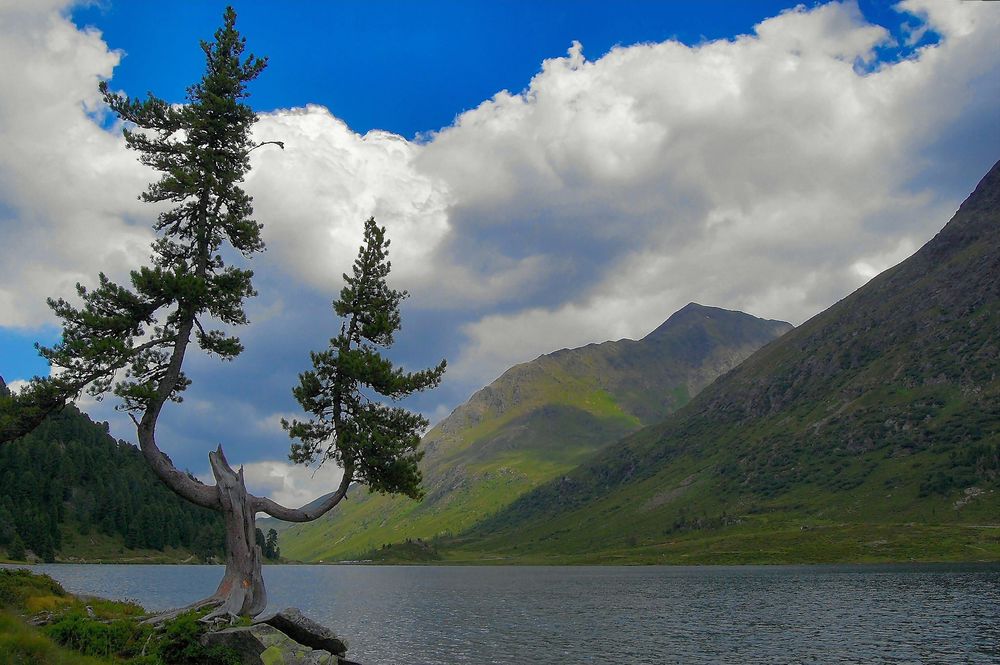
(169, 615)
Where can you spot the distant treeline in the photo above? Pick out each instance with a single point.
(71, 472)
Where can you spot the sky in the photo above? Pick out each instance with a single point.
(550, 173)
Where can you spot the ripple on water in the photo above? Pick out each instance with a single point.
(447, 615)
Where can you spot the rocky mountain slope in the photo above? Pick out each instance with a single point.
(871, 432)
(537, 421)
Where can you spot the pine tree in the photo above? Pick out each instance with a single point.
(131, 341)
(373, 443)
(15, 550)
(271, 549)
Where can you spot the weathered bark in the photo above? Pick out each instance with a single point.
(310, 511)
(242, 587)
(241, 591)
(181, 483)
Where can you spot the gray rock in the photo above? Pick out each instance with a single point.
(305, 631)
(261, 644)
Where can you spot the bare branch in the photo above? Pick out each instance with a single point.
(280, 144)
(310, 511)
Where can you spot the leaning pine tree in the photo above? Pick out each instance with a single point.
(132, 341)
(373, 443)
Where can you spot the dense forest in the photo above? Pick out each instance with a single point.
(70, 473)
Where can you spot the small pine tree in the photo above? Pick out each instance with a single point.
(373, 443)
(271, 549)
(15, 550)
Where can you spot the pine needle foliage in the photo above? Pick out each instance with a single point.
(373, 442)
(131, 340)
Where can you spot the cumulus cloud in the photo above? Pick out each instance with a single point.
(17, 385)
(291, 485)
(67, 187)
(316, 193)
(773, 172)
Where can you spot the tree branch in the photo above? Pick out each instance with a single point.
(280, 144)
(308, 512)
(194, 491)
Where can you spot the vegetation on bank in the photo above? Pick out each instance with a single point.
(70, 491)
(92, 631)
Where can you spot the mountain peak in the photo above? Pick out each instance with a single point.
(889, 400)
(976, 218)
(695, 314)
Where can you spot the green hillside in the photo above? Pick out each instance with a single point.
(71, 492)
(869, 433)
(537, 421)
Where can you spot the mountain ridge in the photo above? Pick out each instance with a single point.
(539, 419)
(885, 407)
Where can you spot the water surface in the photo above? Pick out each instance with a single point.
(607, 614)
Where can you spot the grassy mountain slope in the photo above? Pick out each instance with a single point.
(538, 420)
(871, 432)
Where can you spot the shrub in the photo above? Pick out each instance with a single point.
(17, 586)
(180, 644)
(120, 637)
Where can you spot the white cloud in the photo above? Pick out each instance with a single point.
(767, 173)
(67, 187)
(17, 385)
(291, 485)
(317, 192)
(774, 173)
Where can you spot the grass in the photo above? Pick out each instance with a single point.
(766, 544)
(21, 644)
(97, 547)
(92, 631)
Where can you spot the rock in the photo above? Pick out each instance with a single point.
(261, 644)
(43, 618)
(305, 631)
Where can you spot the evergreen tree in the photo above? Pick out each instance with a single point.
(271, 549)
(141, 333)
(374, 443)
(7, 531)
(132, 340)
(15, 550)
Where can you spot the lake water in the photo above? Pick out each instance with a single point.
(418, 615)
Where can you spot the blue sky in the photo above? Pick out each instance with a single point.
(406, 67)
(540, 194)
(409, 67)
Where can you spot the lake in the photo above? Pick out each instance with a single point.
(424, 615)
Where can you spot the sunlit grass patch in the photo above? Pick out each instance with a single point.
(21, 644)
(36, 604)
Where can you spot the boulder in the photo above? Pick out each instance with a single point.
(305, 631)
(261, 644)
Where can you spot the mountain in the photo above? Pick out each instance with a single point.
(871, 432)
(539, 420)
(70, 491)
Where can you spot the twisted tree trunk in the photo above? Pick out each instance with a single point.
(241, 591)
